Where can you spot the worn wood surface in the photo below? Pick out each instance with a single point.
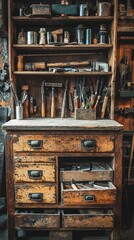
(63, 143)
(89, 221)
(22, 191)
(93, 175)
(37, 221)
(35, 158)
(65, 124)
(35, 172)
(78, 197)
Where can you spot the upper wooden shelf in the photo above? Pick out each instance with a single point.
(67, 47)
(60, 20)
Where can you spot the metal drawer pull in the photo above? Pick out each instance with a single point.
(89, 198)
(36, 196)
(89, 143)
(35, 143)
(35, 174)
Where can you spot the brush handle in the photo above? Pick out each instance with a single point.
(53, 103)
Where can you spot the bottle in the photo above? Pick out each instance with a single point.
(20, 64)
(42, 33)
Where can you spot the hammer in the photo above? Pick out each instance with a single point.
(53, 85)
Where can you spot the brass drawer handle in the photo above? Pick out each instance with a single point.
(36, 196)
(89, 198)
(36, 144)
(35, 174)
(89, 144)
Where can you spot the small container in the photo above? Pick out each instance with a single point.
(83, 10)
(66, 37)
(42, 33)
(31, 37)
(88, 36)
(19, 112)
(104, 9)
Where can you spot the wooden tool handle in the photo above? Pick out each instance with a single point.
(68, 64)
(43, 109)
(104, 106)
(53, 107)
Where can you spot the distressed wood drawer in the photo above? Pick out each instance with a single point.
(37, 172)
(46, 220)
(62, 143)
(87, 197)
(87, 218)
(87, 174)
(27, 158)
(35, 193)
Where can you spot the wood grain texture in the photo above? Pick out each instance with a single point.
(22, 192)
(63, 143)
(24, 172)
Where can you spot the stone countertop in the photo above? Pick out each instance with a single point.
(64, 124)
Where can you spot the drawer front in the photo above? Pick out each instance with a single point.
(88, 197)
(88, 220)
(37, 221)
(62, 143)
(67, 176)
(35, 193)
(36, 158)
(34, 172)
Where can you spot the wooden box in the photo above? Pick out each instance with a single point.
(87, 197)
(86, 218)
(46, 220)
(85, 114)
(84, 175)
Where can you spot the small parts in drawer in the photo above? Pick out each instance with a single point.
(86, 185)
(89, 167)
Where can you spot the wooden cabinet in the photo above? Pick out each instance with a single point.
(63, 159)
(57, 184)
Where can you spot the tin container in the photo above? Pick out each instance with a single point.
(88, 36)
(104, 9)
(19, 112)
(31, 37)
(83, 8)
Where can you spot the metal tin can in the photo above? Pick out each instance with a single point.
(88, 36)
(83, 8)
(19, 112)
(31, 37)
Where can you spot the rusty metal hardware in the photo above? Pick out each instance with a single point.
(36, 144)
(36, 196)
(89, 198)
(89, 144)
(35, 174)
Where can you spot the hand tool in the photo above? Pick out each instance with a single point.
(74, 185)
(99, 93)
(25, 100)
(105, 103)
(64, 100)
(43, 99)
(56, 33)
(31, 105)
(53, 85)
(13, 89)
(96, 92)
(71, 103)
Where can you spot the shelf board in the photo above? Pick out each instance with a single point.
(63, 47)
(47, 73)
(126, 29)
(60, 20)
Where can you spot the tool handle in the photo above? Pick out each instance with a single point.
(104, 106)
(63, 104)
(43, 109)
(53, 107)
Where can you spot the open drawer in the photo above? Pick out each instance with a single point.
(90, 172)
(87, 196)
(48, 219)
(88, 218)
